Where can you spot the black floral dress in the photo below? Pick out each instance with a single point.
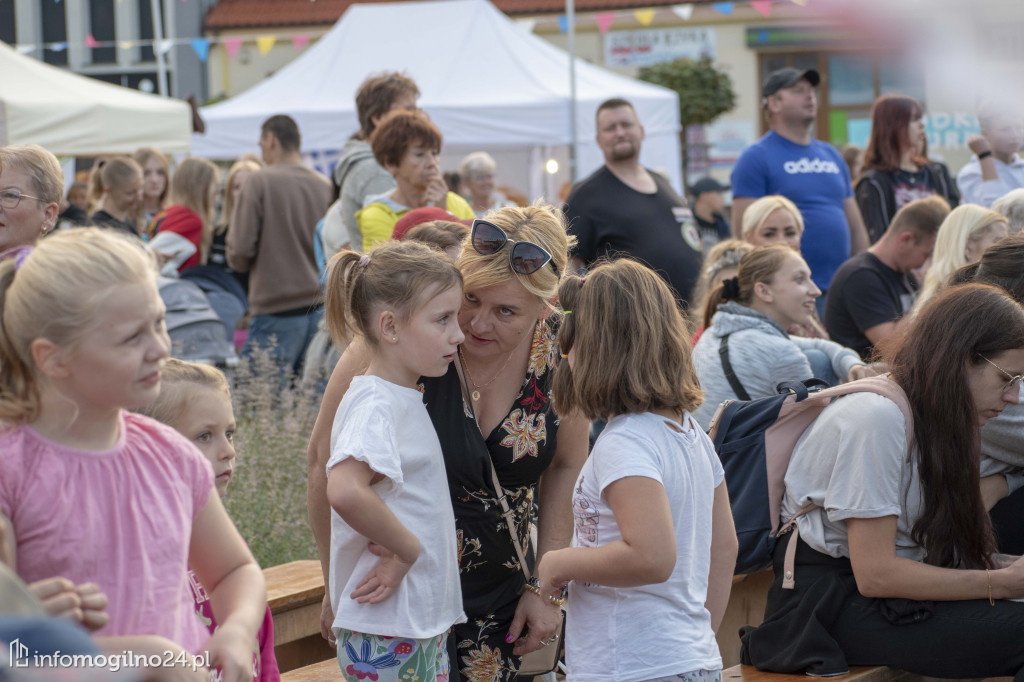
(521, 447)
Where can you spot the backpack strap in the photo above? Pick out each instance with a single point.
(730, 376)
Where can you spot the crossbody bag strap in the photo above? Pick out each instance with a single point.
(730, 375)
(506, 511)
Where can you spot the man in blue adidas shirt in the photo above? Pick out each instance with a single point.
(809, 172)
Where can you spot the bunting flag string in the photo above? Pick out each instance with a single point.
(265, 42)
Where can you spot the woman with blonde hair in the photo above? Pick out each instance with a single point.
(746, 352)
(492, 406)
(31, 183)
(963, 237)
(182, 233)
(771, 220)
(237, 175)
(115, 189)
(156, 181)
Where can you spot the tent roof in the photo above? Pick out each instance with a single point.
(74, 115)
(484, 81)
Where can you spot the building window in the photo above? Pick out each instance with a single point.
(146, 28)
(850, 83)
(7, 25)
(55, 30)
(102, 25)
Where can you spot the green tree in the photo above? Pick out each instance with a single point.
(705, 93)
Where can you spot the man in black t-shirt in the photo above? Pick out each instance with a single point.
(872, 291)
(623, 209)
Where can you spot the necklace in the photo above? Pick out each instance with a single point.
(476, 394)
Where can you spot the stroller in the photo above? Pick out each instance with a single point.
(197, 333)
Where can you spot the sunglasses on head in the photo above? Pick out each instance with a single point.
(525, 258)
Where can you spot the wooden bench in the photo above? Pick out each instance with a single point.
(318, 672)
(748, 673)
(295, 592)
(747, 600)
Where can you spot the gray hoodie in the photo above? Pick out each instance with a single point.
(359, 176)
(762, 356)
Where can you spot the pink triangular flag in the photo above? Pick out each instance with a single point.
(231, 46)
(300, 40)
(604, 21)
(762, 6)
(90, 41)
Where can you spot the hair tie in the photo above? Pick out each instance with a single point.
(567, 312)
(364, 261)
(582, 280)
(731, 289)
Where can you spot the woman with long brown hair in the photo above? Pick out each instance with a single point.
(895, 169)
(897, 564)
(182, 233)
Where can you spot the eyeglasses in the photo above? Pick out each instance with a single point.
(1014, 380)
(10, 198)
(525, 258)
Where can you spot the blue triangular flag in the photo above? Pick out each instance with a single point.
(563, 23)
(59, 47)
(723, 7)
(202, 48)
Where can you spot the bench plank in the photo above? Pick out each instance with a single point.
(748, 673)
(294, 584)
(318, 672)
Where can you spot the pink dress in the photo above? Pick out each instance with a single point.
(120, 518)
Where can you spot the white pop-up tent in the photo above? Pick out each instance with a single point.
(486, 82)
(73, 115)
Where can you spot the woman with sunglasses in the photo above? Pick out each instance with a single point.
(407, 145)
(493, 406)
(897, 563)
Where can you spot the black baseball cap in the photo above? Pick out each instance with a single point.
(707, 185)
(787, 78)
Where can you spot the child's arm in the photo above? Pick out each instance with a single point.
(350, 494)
(724, 547)
(646, 553)
(238, 592)
(8, 548)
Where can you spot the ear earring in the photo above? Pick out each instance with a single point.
(394, 338)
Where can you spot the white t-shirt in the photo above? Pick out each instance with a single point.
(620, 634)
(852, 461)
(387, 426)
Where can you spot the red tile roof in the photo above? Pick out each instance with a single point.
(276, 13)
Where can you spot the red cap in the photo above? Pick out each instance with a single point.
(418, 216)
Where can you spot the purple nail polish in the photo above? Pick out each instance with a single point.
(508, 639)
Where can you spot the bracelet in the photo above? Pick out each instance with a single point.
(984, 155)
(988, 573)
(533, 585)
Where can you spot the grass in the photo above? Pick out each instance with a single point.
(267, 495)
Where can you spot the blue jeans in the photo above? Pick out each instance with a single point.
(821, 366)
(289, 335)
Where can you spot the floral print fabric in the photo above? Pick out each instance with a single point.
(375, 658)
(521, 447)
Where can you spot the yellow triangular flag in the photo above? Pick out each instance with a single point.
(265, 43)
(126, 44)
(644, 16)
(802, 3)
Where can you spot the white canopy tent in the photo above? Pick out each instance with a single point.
(73, 115)
(486, 82)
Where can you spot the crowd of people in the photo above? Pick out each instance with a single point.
(511, 450)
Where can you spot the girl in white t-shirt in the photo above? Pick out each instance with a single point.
(394, 577)
(654, 546)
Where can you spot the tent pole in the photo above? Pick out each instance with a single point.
(158, 39)
(570, 17)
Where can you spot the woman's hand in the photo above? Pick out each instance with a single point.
(861, 372)
(231, 652)
(549, 573)
(540, 618)
(383, 579)
(437, 192)
(978, 144)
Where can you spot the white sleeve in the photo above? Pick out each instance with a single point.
(174, 245)
(620, 455)
(367, 434)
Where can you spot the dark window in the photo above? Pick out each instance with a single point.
(54, 31)
(146, 28)
(101, 21)
(7, 22)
